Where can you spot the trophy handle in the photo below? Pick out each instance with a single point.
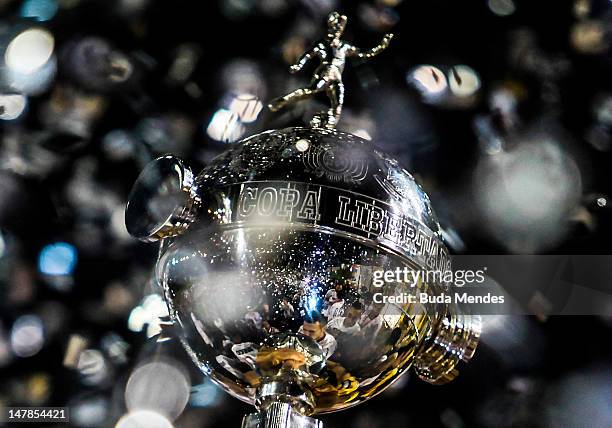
(455, 338)
(163, 201)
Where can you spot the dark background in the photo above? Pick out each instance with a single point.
(68, 161)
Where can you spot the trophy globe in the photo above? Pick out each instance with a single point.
(269, 260)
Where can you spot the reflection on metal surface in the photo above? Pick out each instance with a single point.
(270, 286)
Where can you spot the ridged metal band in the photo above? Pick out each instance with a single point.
(279, 415)
(454, 339)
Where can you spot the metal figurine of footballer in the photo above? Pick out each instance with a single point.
(332, 52)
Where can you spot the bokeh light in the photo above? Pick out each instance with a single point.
(463, 81)
(29, 50)
(143, 418)
(247, 107)
(57, 259)
(502, 7)
(147, 315)
(92, 366)
(225, 126)
(12, 106)
(159, 386)
(429, 80)
(41, 10)
(27, 336)
(526, 194)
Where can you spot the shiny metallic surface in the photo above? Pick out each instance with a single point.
(270, 179)
(279, 415)
(332, 53)
(270, 285)
(161, 203)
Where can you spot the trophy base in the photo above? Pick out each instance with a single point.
(279, 415)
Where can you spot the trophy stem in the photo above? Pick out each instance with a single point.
(282, 402)
(279, 415)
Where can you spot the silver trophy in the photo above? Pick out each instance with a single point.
(267, 260)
